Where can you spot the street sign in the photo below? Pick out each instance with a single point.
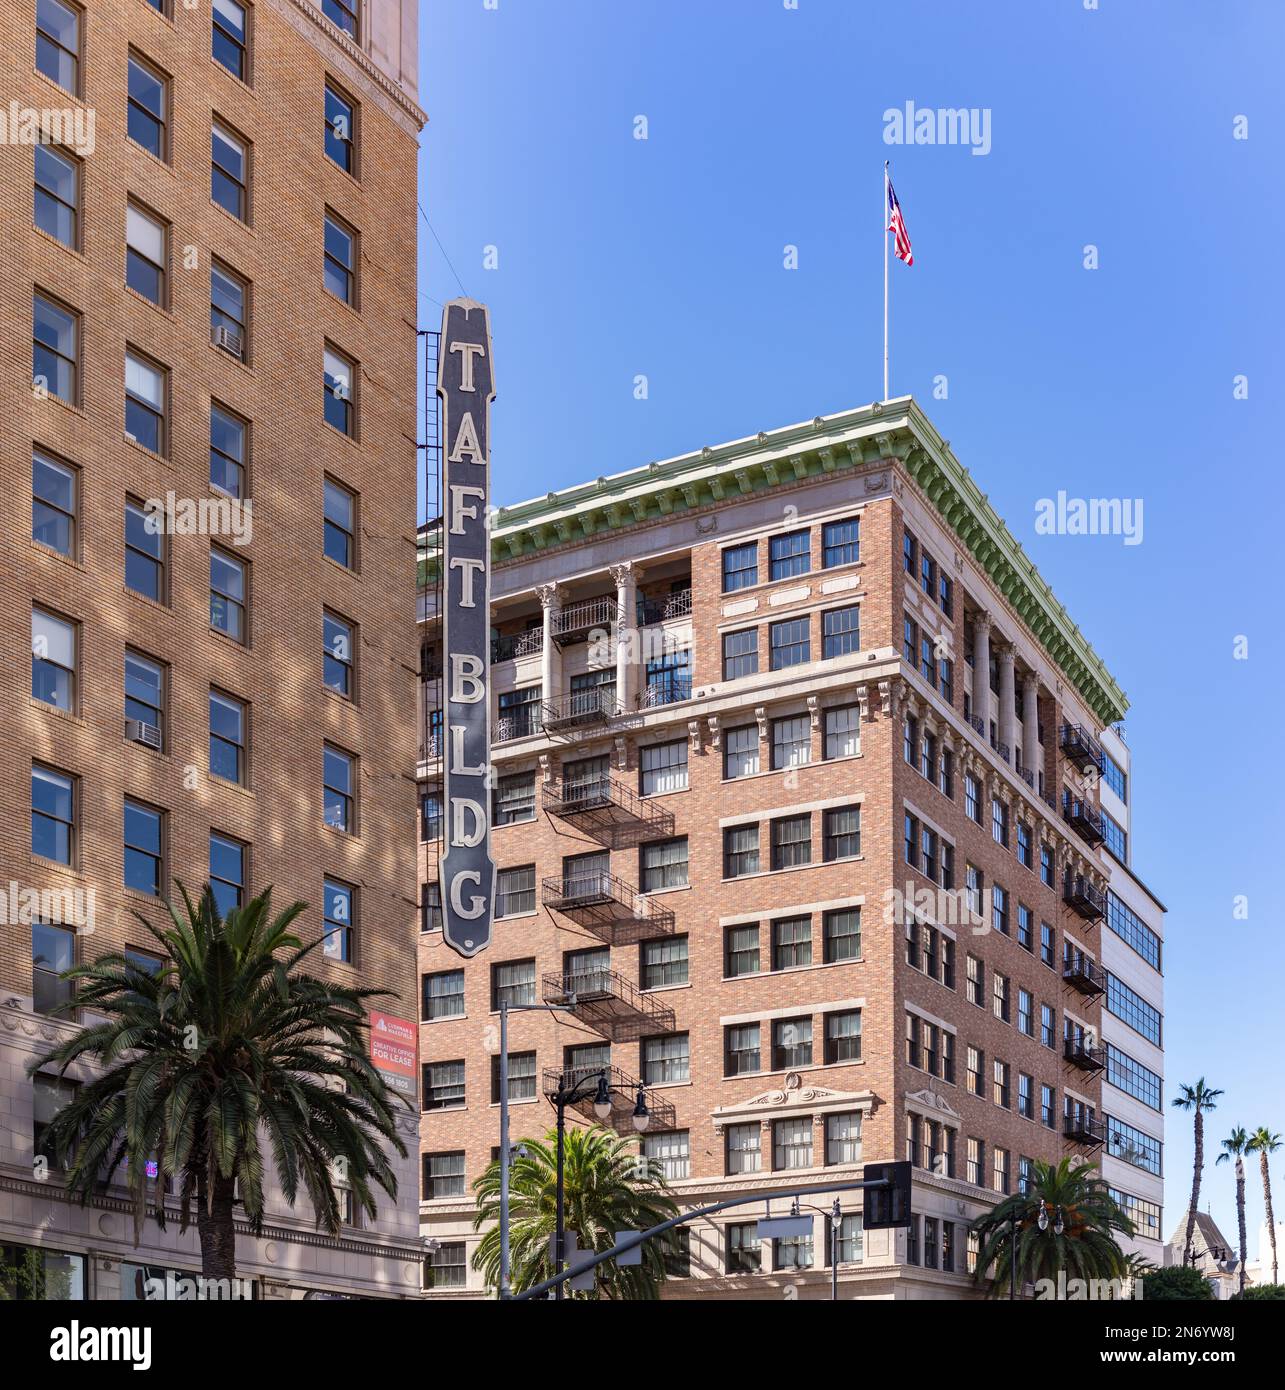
(630, 1257)
(783, 1227)
(466, 386)
(886, 1207)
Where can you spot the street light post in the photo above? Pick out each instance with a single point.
(834, 1215)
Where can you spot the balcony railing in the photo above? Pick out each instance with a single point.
(569, 715)
(608, 907)
(522, 723)
(1080, 1052)
(1082, 974)
(1085, 897)
(516, 644)
(1084, 1127)
(667, 691)
(601, 806)
(1084, 820)
(623, 1090)
(576, 621)
(608, 1003)
(660, 610)
(1081, 747)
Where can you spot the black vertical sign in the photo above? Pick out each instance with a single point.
(466, 385)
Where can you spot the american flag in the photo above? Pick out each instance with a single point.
(897, 226)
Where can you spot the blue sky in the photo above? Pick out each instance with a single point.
(1111, 127)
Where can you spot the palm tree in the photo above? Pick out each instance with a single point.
(1263, 1142)
(1086, 1248)
(225, 1043)
(1198, 1098)
(1235, 1146)
(608, 1189)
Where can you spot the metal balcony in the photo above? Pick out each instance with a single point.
(1082, 974)
(1084, 1127)
(668, 691)
(610, 1004)
(1085, 898)
(517, 644)
(608, 907)
(661, 610)
(604, 807)
(623, 1090)
(1084, 820)
(1083, 1054)
(1081, 748)
(525, 723)
(581, 712)
(576, 621)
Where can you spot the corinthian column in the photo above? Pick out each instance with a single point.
(1031, 724)
(982, 671)
(550, 653)
(627, 654)
(1007, 699)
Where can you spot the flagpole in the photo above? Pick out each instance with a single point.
(883, 222)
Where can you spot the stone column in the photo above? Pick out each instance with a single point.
(1031, 726)
(1007, 698)
(550, 653)
(627, 653)
(982, 671)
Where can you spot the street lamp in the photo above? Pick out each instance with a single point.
(834, 1216)
(1043, 1219)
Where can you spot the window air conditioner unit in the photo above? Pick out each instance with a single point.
(227, 338)
(137, 731)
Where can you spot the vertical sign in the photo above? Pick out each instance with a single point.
(466, 385)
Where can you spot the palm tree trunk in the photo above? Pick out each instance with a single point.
(217, 1233)
(1267, 1199)
(1240, 1216)
(1196, 1168)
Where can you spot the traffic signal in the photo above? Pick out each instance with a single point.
(888, 1206)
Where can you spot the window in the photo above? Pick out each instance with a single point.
(1001, 1171)
(789, 555)
(515, 798)
(1133, 1146)
(343, 13)
(1125, 1004)
(974, 1071)
(976, 988)
(340, 272)
(52, 814)
(444, 1175)
(946, 679)
(790, 643)
(53, 660)
(1025, 928)
(744, 1152)
(227, 594)
(1132, 1077)
(57, 195)
(791, 742)
(972, 798)
(227, 451)
(145, 691)
(341, 131)
(147, 93)
(431, 908)
(228, 720)
(999, 822)
(1046, 865)
(515, 891)
(1023, 845)
(443, 995)
(1115, 838)
(791, 1043)
(339, 782)
(676, 1252)
(975, 1170)
(930, 1242)
(339, 920)
(741, 952)
(1130, 928)
(53, 504)
(930, 1048)
(841, 934)
(669, 678)
(231, 35)
(792, 1143)
(340, 510)
(1048, 1026)
(520, 714)
(840, 542)
(946, 596)
(664, 767)
(843, 1137)
(1144, 1215)
(663, 962)
(910, 640)
(50, 1094)
(1048, 945)
(229, 311)
(663, 864)
(1025, 1013)
(666, 1060)
(841, 833)
(741, 1050)
(58, 43)
(442, 1085)
(340, 411)
(1115, 777)
(999, 908)
(1048, 1107)
(145, 389)
(337, 654)
(55, 349)
(740, 653)
(1000, 996)
(227, 872)
(513, 982)
(791, 842)
(791, 942)
(928, 659)
(741, 752)
(1025, 1096)
(743, 1253)
(668, 1155)
(53, 951)
(842, 727)
(843, 1037)
(1000, 1092)
(230, 172)
(841, 631)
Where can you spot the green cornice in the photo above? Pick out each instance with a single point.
(894, 432)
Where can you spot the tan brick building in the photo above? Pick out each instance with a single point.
(217, 295)
(797, 762)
